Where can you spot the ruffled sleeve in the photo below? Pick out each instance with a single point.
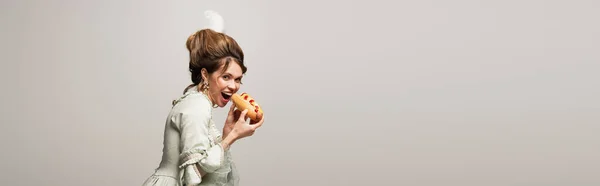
(198, 154)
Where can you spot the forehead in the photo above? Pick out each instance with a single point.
(233, 68)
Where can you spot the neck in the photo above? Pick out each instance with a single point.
(210, 99)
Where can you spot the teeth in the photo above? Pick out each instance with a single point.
(229, 94)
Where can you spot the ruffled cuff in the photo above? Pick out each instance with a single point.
(208, 160)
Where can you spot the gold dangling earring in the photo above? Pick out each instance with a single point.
(205, 91)
(205, 88)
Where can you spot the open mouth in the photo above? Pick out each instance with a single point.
(226, 96)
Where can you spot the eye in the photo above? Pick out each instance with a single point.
(239, 80)
(226, 77)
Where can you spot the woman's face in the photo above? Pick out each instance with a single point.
(222, 84)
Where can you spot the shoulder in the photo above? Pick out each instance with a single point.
(194, 106)
(195, 102)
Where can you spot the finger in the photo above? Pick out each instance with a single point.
(231, 108)
(243, 114)
(258, 124)
(255, 127)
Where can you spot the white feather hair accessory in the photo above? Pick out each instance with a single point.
(215, 21)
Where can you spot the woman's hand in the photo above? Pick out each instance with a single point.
(232, 117)
(244, 127)
(241, 128)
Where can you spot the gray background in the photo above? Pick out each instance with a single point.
(355, 92)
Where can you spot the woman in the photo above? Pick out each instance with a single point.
(195, 152)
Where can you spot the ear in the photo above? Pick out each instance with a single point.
(204, 74)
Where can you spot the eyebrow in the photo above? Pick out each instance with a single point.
(227, 73)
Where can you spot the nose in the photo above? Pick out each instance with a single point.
(231, 85)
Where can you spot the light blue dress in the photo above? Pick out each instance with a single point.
(191, 140)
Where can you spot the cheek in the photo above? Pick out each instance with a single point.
(214, 85)
(221, 84)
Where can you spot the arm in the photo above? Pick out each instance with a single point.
(228, 140)
(232, 116)
(226, 130)
(198, 155)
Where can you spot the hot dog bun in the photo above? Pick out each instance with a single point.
(245, 101)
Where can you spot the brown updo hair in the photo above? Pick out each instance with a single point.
(210, 50)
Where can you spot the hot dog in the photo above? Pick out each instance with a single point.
(245, 101)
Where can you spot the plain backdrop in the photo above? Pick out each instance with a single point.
(419, 93)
